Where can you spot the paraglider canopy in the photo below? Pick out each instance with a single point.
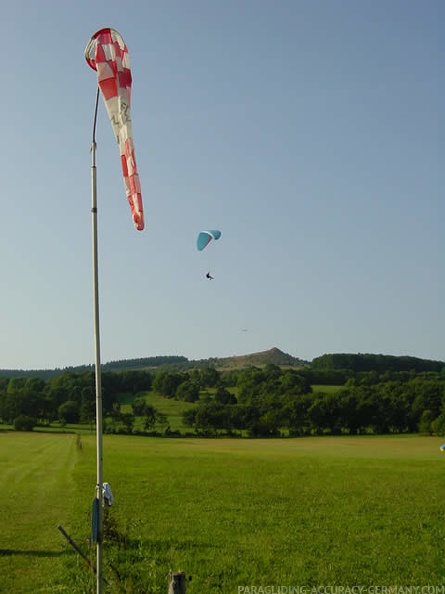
(442, 447)
(205, 237)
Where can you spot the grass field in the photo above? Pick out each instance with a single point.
(327, 389)
(36, 490)
(229, 512)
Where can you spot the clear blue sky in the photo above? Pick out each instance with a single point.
(310, 132)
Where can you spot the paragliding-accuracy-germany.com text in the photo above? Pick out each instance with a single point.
(342, 589)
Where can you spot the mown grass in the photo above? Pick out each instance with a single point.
(229, 512)
(36, 492)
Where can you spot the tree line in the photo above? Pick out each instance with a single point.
(68, 398)
(375, 362)
(254, 401)
(271, 401)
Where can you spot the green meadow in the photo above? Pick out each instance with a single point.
(231, 513)
(327, 389)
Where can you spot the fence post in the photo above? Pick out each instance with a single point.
(176, 582)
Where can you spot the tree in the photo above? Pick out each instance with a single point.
(119, 422)
(162, 419)
(150, 417)
(189, 417)
(245, 416)
(127, 422)
(209, 377)
(212, 416)
(428, 396)
(294, 383)
(353, 410)
(272, 372)
(69, 412)
(187, 391)
(15, 385)
(249, 382)
(88, 405)
(34, 403)
(136, 381)
(426, 422)
(167, 383)
(438, 425)
(223, 396)
(269, 424)
(10, 407)
(295, 413)
(139, 405)
(324, 413)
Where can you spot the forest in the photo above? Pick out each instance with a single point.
(375, 394)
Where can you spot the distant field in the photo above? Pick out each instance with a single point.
(173, 409)
(168, 406)
(326, 389)
(229, 512)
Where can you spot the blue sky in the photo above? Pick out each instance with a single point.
(310, 132)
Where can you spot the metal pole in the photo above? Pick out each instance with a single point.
(99, 430)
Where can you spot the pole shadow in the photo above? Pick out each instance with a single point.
(31, 553)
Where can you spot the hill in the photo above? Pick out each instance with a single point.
(173, 363)
(273, 356)
(169, 363)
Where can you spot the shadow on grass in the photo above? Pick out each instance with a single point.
(32, 553)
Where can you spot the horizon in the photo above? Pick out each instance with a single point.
(92, 364)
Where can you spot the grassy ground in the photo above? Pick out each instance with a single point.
(36, 491)
(229, 512)
(326, 389)
(173, 409)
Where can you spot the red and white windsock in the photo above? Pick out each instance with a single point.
(107, 53)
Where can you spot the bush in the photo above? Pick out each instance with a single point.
(24, 423)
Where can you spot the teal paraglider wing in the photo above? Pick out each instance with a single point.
(205, 237)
